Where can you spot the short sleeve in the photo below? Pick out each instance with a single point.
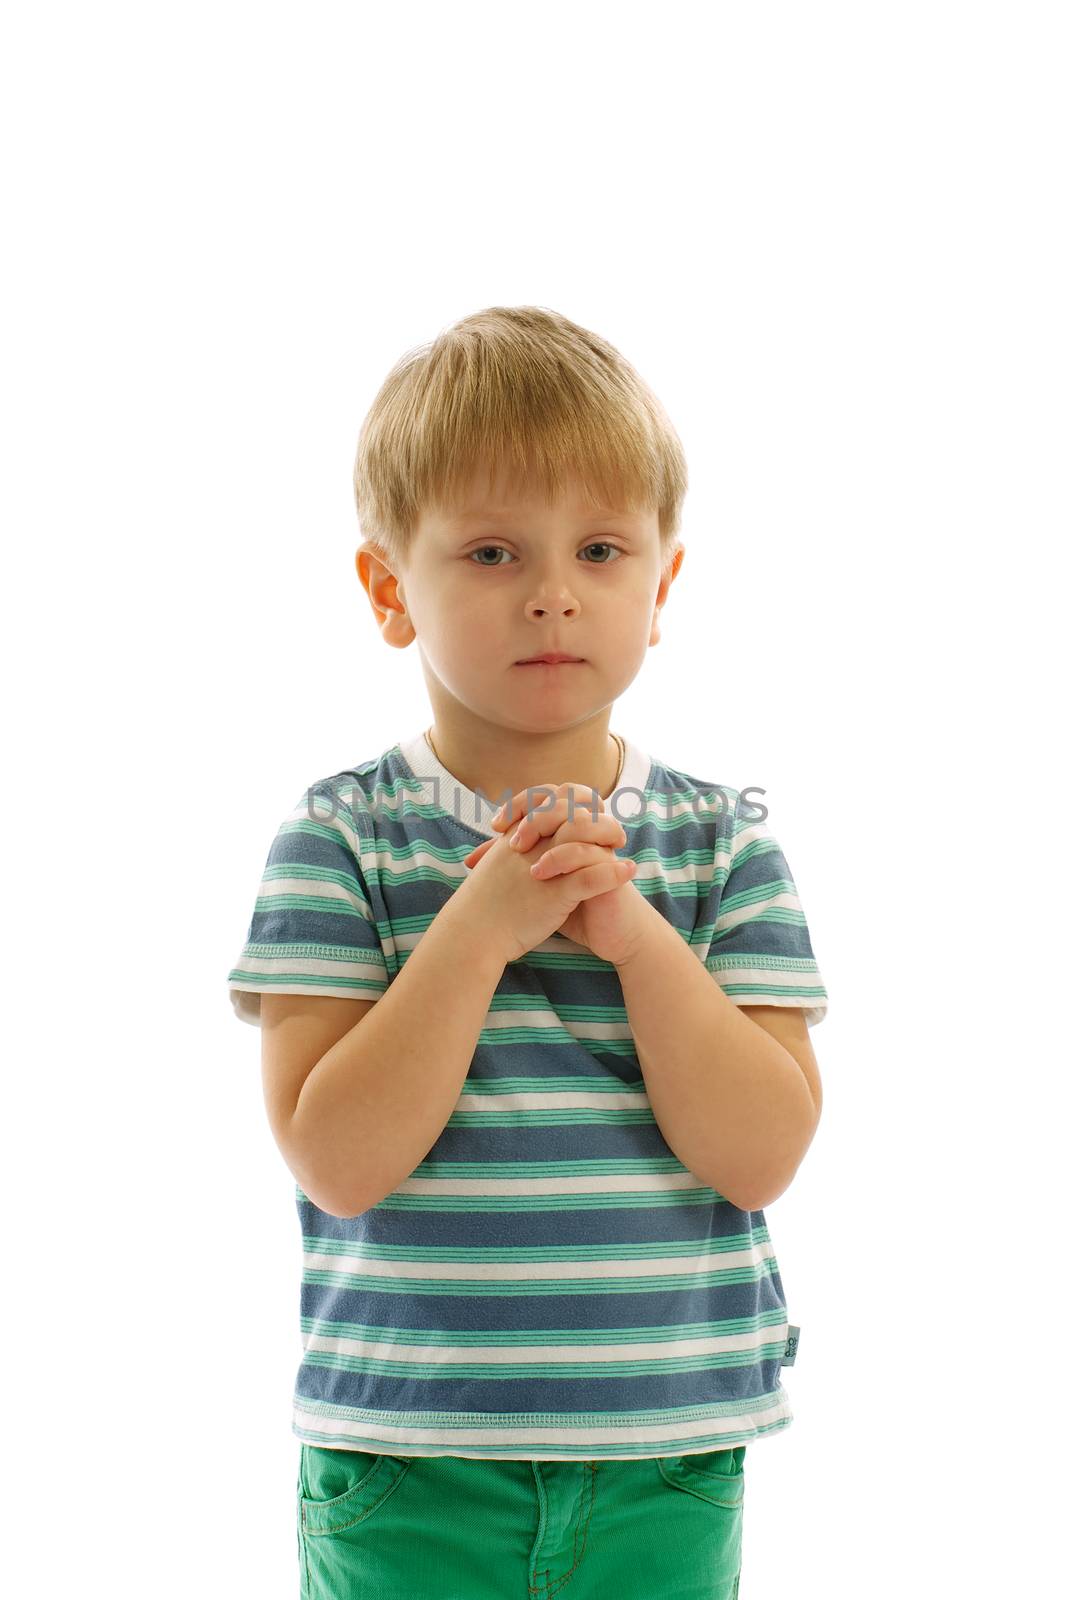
(312, 929)
(760, 951)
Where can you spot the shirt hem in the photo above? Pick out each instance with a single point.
(719, 1433)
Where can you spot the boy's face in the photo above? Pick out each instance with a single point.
(488, 584)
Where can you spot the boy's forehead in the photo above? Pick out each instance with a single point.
(503, 511)
(478, 504)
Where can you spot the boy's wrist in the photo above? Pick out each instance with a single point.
(480, 948)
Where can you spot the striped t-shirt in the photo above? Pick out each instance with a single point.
(550, 1282)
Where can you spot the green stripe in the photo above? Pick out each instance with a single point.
(433, 1370)
(502, 1288)
(478, 1254)
(306, 980)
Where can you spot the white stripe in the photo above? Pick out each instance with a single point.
(511, 1187)
(555, 1353)
(564, 1101)
(539, 1271)
(278, 969)
(545, 1017)
(745, 913)
(320, 888)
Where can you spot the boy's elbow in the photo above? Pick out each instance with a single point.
(344, 1213)
(757, 1196)
(760, 1198)
(327, 1200)
(347, 1206)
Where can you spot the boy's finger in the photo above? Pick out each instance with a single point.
(573, 801)
(569, 857)
(517, 806)
(603, 829)
(520, 803)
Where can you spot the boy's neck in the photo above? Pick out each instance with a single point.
(593, 760)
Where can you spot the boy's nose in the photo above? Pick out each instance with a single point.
(553, 599)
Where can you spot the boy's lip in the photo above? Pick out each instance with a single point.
(549, 658)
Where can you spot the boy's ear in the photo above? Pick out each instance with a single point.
(384, 593)
(676, 567)
(664, 589)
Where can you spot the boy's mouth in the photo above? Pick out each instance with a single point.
(551, 659)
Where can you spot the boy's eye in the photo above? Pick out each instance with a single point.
(481, 552)
(599, 544)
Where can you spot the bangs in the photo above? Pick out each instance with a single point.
(514, 402)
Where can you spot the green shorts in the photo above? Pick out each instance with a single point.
(387, 1527)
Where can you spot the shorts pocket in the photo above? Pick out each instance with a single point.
(341, 1488)
(709, 1515)
(715, 1475)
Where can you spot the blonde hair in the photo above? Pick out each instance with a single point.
(525, 394)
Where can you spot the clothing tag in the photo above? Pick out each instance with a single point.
(792, 1339)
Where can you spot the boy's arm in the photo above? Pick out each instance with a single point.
(377, 1100)
(789, 1025)
(736, 1105)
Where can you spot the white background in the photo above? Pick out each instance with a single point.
(831, 237)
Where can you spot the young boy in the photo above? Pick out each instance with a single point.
(536, 1074)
